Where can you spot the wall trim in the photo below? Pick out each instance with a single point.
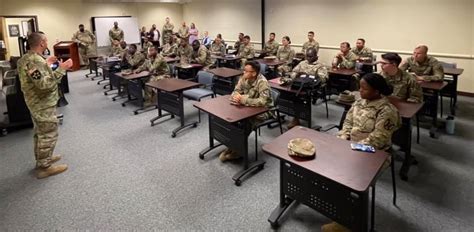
(467, 94)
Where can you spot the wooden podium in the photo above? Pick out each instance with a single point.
(68, 49)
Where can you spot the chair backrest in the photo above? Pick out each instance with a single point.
(263, 69)
(275, 96)
(448, 65)
(205, 78)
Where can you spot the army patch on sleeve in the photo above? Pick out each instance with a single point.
(388, 125)
(36, 75)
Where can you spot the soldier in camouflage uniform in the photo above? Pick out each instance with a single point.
(271, 46)
(238, 44)
(167, 30)
(116, 36)
(246, 51)
(184, 52)
(311, 43)
(251, 90)
(201, 55)
(361, 51)
(39, 84)
(310, 66)
(132, 58)
(85, 39)
(183, 32)
(120, 50)
(159, 70)
(345, 58)
(404, 84)
(146, 44)
(217, 47)
(285, 53)
(424, 67)
(171, 47)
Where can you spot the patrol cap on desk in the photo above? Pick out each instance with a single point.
(301, 147)
(346, 96)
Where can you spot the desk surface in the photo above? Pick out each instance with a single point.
(221, 107)
(453, 71)
(275, 83)
(133, 76)
(226, 57)
(342, 71)
(172, 84)
(334, 160)
(189, 66)
(275, 62)
(171, 59)
(433, 85)
(226, 72)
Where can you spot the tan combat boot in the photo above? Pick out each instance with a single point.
(293, 123)
(222, 155)
(232, 155)
(51, 171)
(54, 159)
(334, 227)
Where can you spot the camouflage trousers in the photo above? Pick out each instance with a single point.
(166, 35)
(84, 53)
(150, 93)
(45, 135)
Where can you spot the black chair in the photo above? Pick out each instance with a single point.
(321, 93)
(268, 122)
(206, 80)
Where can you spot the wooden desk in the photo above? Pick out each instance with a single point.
(290, 104)
(336, 183)
(226, 80)
(110, 67)
(93, 66)
(171, 59)
(228, 124)
(431, 93)
(453, 85)
(188, 72)
(340, 80)
(231, 61)
(170, 99)
(136, 84)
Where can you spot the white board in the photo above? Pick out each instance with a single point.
(129, 25)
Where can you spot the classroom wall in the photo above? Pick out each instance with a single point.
(447, 27)
(228, 17)
(12, 42)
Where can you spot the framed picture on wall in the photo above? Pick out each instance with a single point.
(14, 30)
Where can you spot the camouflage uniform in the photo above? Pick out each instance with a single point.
(314, 44)
(246, 53)
(118, 51)
(405, 86)
(86, 40)
(146, 46)
(202, 56)
(185, 53)
(170, 49)
(237, 46)
(348, 61)
(255, 93)
(371, 123)
(431, 69)
(271, 48)
(134, 60)
(183, 33)
(159, 70)
(285, 54)
(365, 52)
(218, 49)
(167, 32)
(115, 34)
(39, 84)
(316, 69)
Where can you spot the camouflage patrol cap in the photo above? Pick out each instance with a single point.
(301, 147)
(285, 80)
(346, 96)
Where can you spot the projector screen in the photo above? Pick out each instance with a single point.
(102, 25)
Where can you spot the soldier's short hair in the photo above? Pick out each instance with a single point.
(422, 46)
(35, 38)
(133, 46)
(81, 25)
(347, 44)
(287, 39)
(247, 37)
(196, 42)
(272, 33)
(392, 57)
(311, 32)
(377, 82)
(254, 64)
(361, 39)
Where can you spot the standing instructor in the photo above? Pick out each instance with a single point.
(39, 84)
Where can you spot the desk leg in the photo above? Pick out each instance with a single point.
(455, 95)
(211, 141)
(434, 128)
(142, 108)
(160, 114)
(285, 203)
(181, 116)
(372, 213)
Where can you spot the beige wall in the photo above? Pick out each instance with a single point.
(228, 17)
(12, 42)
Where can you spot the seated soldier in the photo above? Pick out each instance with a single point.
(132, 59)
(146, 44)
(371, 121)
(404, 84)
(309, 66)
(285, 53)
(201, 55)
(217, 47)
(171, 47)
(311, 43)
(345, 58)
(238, 44)
(251, 90)
(120, 50)
(271, 46)
(424, 67)
(158, 68)
(246, 51)
(362, 52)
(184, 52)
